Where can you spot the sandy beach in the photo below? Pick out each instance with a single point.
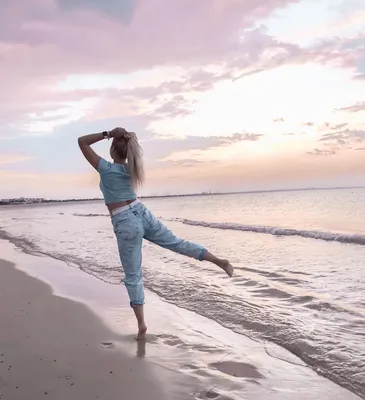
(55, 348)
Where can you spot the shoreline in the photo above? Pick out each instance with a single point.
(191, 354)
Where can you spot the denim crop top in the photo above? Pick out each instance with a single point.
(115, 182)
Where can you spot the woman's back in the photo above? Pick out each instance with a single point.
(115, 182)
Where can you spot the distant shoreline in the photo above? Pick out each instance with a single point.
(28, 201)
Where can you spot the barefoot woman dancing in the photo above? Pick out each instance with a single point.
(131, 220)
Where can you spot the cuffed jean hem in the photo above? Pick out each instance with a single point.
(134, 304)
(202, 254)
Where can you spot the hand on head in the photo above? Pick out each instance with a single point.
(121, 133)
(118, 133)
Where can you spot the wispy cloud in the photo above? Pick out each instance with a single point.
(340, 52)
(162, 147)
(241, 137)
(184, 163)
(339, 141)
(356, 135)
(359, 77)
(338, 126)
(178, 106)
(360, 106)
(319, 152)
(14, 159)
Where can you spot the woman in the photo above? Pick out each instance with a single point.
(131, 220)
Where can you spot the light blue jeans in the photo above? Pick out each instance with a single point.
(133, 225)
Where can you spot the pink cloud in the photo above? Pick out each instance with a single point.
(160, 32)
(43, 41)
(54, 38)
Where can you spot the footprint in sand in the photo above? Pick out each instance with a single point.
(238, 370)
(212, 395)
(107, 345)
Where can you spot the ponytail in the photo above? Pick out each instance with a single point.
(134, 159)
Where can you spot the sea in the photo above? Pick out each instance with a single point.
(299, 259)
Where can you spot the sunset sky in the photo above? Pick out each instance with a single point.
(224, 94)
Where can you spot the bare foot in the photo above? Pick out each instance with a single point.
(226, 266)
(142, 332)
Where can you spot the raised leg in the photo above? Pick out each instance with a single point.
(156, 232)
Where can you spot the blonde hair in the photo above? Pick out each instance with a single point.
(129, 148)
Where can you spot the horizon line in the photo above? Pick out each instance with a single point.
(217, 193)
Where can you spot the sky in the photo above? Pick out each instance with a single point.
(224, 95)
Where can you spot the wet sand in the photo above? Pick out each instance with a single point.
(52, 348)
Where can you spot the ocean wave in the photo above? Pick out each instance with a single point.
(278, 231)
